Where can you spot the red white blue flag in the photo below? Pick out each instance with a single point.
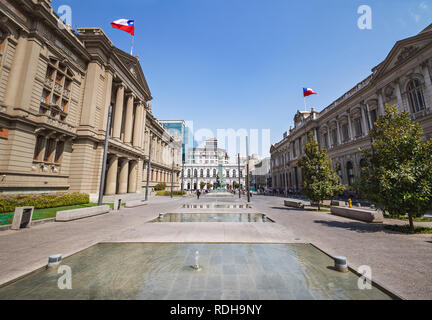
(308, 92)
(125, 25)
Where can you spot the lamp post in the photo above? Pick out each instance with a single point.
(182, 183)
(172, 175)
(239, 172)
(247, 170)
(149, 167)
(105, 156)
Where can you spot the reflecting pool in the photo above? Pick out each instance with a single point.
(210, 217)
(164, 271)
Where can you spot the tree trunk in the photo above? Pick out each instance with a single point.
(319, 205)
(411, 222)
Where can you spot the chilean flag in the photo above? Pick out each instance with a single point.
(308, 92)
(125, 25)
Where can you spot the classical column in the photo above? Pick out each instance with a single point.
(118, 112)
(138, 125)
(399, 96)
(15, 74)
(364, 118)
(143, 136)
(428, 85)
(111, 180)
(338, 133)
(328, 137)
(351, 135)
(133, 177)
(140, 175)
(381, 107)
(129, 118)
(30, 71)
(123, 177)
(108, 94)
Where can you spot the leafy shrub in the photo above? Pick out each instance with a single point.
(160, 187)
(8, 203)
(168, 193)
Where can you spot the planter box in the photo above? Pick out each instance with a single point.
(22, 218)
(294, 204)
(70, 215)
(358, 214)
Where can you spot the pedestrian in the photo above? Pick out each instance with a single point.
(198, 194)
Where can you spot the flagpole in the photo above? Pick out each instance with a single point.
(133, 43)
(305, 103)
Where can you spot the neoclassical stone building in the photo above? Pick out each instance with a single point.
(203, 166)
(402, 79)
(56, 86)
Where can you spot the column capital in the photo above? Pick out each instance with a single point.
(119, 85)
(130, 95)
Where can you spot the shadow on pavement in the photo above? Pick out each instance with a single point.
(356, 226)
(288, 209)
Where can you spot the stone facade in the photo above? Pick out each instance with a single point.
(402, 79)
(56, 86)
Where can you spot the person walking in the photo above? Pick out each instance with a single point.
(198, 194)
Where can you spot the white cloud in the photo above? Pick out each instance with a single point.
(423, 5)
(416, 17)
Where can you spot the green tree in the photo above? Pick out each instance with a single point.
(160, 187)
(397, 176)
(320, 180)
(202, 185)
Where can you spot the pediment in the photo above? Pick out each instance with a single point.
(134, 69)
(403, 52)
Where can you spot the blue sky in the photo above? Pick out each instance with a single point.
(243, 63)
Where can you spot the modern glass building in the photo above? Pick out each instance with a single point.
(179, 130)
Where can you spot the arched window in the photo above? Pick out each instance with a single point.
(416, 97)
(350, 173)
(196, 173)
(202, 173)
(338, 169)
(208, 173)
(234, 174)
(189, 173)
(227, 173)
(214, 173)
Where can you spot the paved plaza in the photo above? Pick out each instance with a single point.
(400, 263)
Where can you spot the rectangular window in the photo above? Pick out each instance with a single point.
(325, 140)
(345, 133)
(59, 151)
(358, 127)
(374, 117)
(49, 149)
(45, 96)
(335, 137)
(38, 147)
(4, 133)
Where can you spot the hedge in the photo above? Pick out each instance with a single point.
(160, 187)
(168, 193)
(8, 203)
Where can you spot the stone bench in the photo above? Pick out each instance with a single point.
(359, 214)
(70, 215)
(337, 203)
(135, 203)
(294, 204)
(324, 203)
